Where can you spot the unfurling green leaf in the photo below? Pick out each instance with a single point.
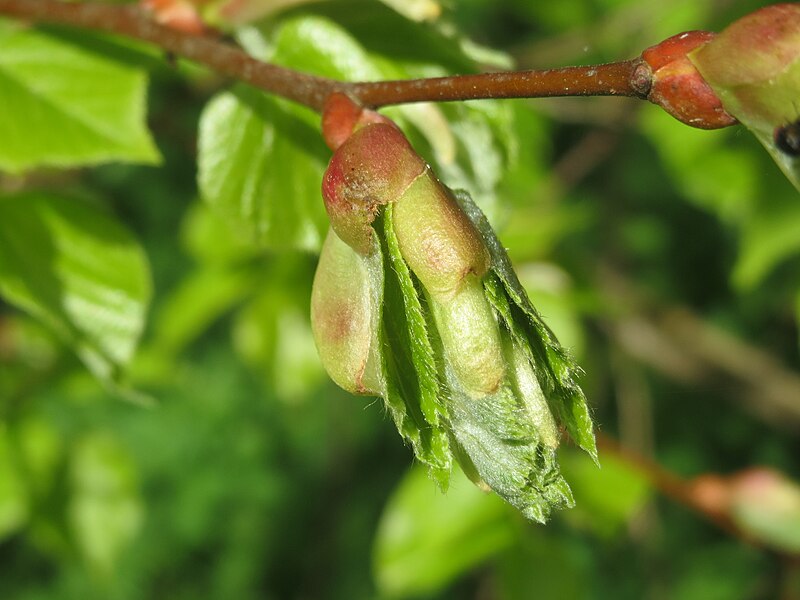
(415, 300)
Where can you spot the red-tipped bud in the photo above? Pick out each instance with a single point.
(181, 15)
(677, 85)
(341, 116)
(372, 168)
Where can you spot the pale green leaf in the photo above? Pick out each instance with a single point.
(427, 539)
(607, 498)
(65, 104)
(411, 365)
(80, 271)
(105, 511)
(260, 164)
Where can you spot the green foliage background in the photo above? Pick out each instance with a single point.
(667, 258)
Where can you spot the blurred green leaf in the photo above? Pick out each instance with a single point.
(105, 511)
(80, 271)
(704, 166)
(272, 332)
(13, 495)
(201, 298)
(66, 105)
(544, 564)
(770, 236)
(427, 539)
(210, 240)
(42, 450)
(605, 498)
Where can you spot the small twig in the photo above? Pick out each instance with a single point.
(670, 485)
(614, 79)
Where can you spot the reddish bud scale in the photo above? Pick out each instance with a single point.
(341, 116)
(373, 167)
(180, 15)
(677, 85)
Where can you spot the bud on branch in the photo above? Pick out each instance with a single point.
(415, 301)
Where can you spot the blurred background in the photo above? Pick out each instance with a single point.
(666, 258)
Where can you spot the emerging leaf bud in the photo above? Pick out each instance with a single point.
(415, 300)
(677, 85)
(369, 170)
(471, 339)
(438, 241)
(754, 65)
(345, 316)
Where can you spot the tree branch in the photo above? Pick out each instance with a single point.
(614, 79)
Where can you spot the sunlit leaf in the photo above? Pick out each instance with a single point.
(80, 271)
(243, 135)
(260, 165)
(65, 104)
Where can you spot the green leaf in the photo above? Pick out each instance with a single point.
(260, 164)
(273, 334)
(605, 499)
(80, 271)
(200, 298)
(427, 539)
(558, 379)
(411, 364)
(245, 134)
(770, 236)
(13, 495)
(66, 105)
(105, 511)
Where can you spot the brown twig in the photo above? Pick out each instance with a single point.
(614, 79)
(670, 485)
